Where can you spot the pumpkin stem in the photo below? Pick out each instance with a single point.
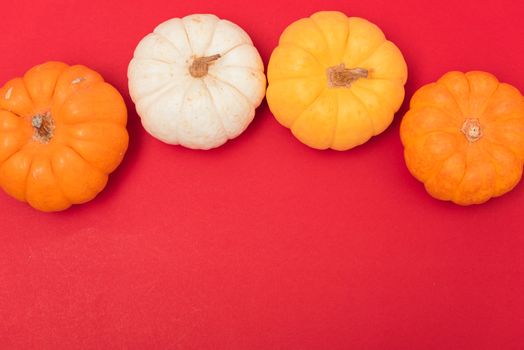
(200, 65)
(340, 76)
(44, 127)
(471, 129)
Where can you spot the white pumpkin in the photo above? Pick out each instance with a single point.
(196, 81)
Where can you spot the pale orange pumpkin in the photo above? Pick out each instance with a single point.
(62, 131)
(335, 81)
(464, 137)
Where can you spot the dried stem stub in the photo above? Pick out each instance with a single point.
(44, 126)
(471, 129)
(200, 65)
(340, 76)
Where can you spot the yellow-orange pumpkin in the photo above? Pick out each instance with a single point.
(464, 137)
(62, 131)
(335, 81)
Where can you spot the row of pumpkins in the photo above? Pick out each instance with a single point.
(334, 81)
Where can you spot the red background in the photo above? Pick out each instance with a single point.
(263, 243)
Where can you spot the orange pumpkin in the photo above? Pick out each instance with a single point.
(464, 137)
(62, 131)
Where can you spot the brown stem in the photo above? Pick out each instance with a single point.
(471, 129)
(44, 126)
(340, 76)
(200, 65)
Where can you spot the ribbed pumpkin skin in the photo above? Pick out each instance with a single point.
(463, 137)
(196, 81)
(320, 113)
(87, 120)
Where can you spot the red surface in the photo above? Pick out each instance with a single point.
(263, 243)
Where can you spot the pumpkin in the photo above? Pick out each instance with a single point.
(335, 81)
(62, 131)
(463, 137)
(196, 81)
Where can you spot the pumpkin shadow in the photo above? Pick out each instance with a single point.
(410, 89)
(125, 169)
(135, 130)
(261, 113)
